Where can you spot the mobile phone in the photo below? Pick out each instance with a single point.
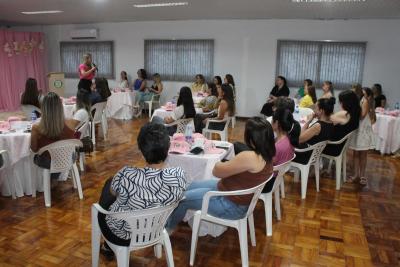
(197, 150)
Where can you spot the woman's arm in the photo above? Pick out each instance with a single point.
(86, 73)
(222, 109)
(242, 162)
(383, 102)
(340, 117)
(308, 133)
(34, 138)
(143, 86)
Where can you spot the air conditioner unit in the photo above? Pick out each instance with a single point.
(83, 34)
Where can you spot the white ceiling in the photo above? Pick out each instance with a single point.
(91, 11)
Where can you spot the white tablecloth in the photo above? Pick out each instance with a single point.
(69, 110)
(199, 167)
(21, 170)
(387, 129)
(162, 113)
(119, 105)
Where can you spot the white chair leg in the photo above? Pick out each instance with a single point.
(82, 161)
(158, 251)
(93, 128)
(252, 230)
(338, 173)
(46, 188)
(242, 231)
(73, 178)
(104, 128)
(150, 108)
(96, 236)
(268, 213)
(277, 204)
(122, 255)
(34, 178)
(195, 236)
(296, 175)
(304, 181)
(330, 165)
(344, 167)
(316, 166)
(168, 249)
(77, 180)
(233, 122)
(282, 187)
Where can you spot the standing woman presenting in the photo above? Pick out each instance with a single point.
(87, 72)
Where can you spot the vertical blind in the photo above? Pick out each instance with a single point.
(179, 60)
(342, 63)
(102, 55)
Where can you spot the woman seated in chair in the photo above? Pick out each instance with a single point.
(82, 110)
(31, 95)
(244, 171)
(200, 85)
(310, 97)
(100, 91)
(155, 89)
(226, 109)
(134, 188)
(51, 128)
(345, 121)
(184, 110)
(280, 89)
(209, 106)
(315, 132)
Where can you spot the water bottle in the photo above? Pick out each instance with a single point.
(397, 106)
(189, 133)
(296, 109)
(33, 116)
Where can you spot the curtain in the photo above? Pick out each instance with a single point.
(342, 63)
(179, 60)
(23, 55)
(102, 56)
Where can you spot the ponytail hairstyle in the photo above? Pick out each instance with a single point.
(287, 124)
(259, 137)
(371, 104)
(327, 105)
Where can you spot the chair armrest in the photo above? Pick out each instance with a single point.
(311, 148)
(171, 124)
(101, 210)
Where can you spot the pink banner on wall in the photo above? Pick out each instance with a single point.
(22, 55)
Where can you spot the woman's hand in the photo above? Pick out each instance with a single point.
(168, 120)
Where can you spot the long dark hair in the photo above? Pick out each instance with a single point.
(186, 99)
(330, 85)
(327, 105)
(31, 93)
(351, 104)
(283, 79)
(371, 104)
(218, 78)
(259, 137)
(287, 124)
(124, 75)
(311, 92)
(82, 100)
(143, 74)
(229, 79)
(213, 89)
(229, 98)
(102, 87)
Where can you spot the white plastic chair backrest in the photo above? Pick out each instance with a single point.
(27, 109)
(281, 169)
(83, 129)
(146, 225)
(226, 120)
(257, 192)
(345, 139)
(61, 153)
(316, 151)
(99, 109)
(181, 125)
(155, 98)
(3, 159)
(304, 112)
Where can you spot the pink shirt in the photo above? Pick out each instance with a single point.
(284, 151)
(85, 68)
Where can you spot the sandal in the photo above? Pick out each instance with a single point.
(363, 181)
(352, 179)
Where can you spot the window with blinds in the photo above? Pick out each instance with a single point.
(102, 55)
(179, 60)
(342, 63)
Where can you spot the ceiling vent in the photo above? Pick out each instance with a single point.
(83, 34)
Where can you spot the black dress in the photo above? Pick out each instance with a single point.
(340, 131)
(378, 101)
(324, 135)
(267, 108)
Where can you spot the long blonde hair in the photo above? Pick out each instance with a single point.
(52, 120)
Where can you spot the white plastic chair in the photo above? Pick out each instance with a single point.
(147, 230)
(83, 129)
(305, 169)
(340, 160)
(223, 134)
(233, 121)
(99, 117)
(180, 124)
(304, 112)
(61, 154)
(155, 100)
(240, 225)
(27, 109)
(267, 197)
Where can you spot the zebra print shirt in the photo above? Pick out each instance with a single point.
(144, 188)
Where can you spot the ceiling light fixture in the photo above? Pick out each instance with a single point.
(161, 4)
(328, 1)
(41, 12)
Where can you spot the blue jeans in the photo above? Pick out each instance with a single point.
(220, 206)
(143, 97)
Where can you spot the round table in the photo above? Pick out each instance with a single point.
(120, 105)
(387, 130)
(69, 110)
(163, 113)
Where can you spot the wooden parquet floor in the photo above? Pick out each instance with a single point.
(351, 227)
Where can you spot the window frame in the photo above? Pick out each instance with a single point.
(75, 74)
(320, 43)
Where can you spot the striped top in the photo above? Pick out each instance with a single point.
(144, 188)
